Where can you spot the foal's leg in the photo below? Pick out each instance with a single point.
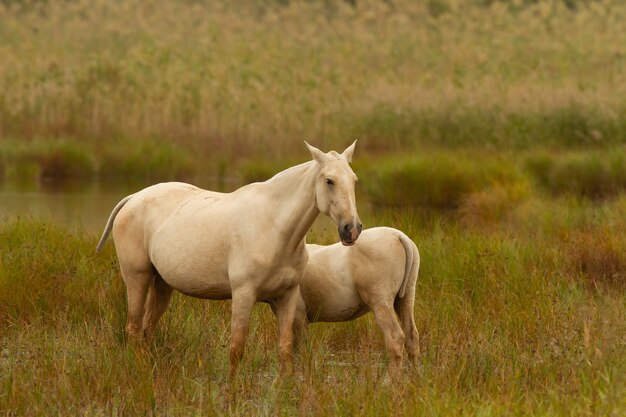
(405, 310)
(156, 304)
(382, 308)
(392, 332)
(285, 313)
(243, 302)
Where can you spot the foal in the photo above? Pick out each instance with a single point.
(377, 274)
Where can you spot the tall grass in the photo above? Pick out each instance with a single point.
(520, 302)
(523, 319)
(231, 80)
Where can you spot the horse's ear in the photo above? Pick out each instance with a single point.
(349, 151)
(318, 155)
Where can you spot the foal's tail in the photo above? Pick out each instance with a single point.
(412, 263)
(109, 225)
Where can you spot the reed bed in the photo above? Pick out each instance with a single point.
(226, 81)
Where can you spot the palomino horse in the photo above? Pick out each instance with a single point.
(378, 274)
(247, 245)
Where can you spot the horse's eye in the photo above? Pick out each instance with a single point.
(329, 181)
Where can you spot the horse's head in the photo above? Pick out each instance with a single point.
(334, 191)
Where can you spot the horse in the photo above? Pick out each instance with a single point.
(378, 274)
(247, 245)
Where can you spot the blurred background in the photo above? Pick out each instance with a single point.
(471, 105)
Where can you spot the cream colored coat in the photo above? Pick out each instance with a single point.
(247, 245)
(378, 274)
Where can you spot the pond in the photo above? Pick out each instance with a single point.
(79, 205)
(86, 205)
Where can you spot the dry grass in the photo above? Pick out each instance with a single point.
(599, 257)
(507, 328)
(520, 302)
(230, 80)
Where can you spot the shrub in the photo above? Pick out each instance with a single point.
(53, 158)
(493, 204)
(594, 175)
(63, 159)
(435, 180)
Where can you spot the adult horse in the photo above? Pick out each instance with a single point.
(248, 245)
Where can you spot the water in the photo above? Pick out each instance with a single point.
(86, 205)
(79, 205)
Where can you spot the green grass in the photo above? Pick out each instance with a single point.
(590, 174)
(489, 183)
(526, 318)
(60, 158)
(435, 179)
(482, 185)
(506, 117)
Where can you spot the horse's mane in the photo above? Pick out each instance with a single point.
(291, 170)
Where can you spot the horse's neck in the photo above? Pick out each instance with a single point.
(293, 192)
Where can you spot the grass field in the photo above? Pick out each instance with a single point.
(492, 132)
(519, 316)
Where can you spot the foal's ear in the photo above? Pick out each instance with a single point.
(349, 151)
(318, 155)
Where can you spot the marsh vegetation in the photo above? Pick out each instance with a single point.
(524, 317)
(492, 133)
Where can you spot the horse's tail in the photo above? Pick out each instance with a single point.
(109, 225)
(404, 304)
(412, 263)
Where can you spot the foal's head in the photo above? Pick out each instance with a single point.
(334, 191)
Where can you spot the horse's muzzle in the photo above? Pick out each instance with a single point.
(349, 233)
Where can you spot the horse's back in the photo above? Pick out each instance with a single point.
(338, 278)
(378, 260)
(151, 206)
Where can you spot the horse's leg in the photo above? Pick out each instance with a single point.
(156, 304)
(285, 313)
(405, 310)
(137, 286)
(240, 317)
(392, 332)
(300, 325)
(300, 322)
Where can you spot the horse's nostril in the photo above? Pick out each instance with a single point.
(359, 227)
(347, 228)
